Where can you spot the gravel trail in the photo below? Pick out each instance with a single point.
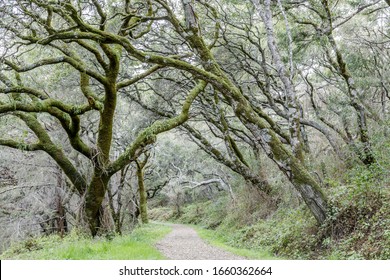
(183, 243)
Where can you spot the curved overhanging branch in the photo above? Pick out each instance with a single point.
(20, 145)
(22, 89)
(148, 135)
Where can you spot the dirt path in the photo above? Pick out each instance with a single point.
(183, 243)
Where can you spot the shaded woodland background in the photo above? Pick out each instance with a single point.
(267, 121)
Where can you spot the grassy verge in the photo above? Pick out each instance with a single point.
(216, 239)
(136, 246)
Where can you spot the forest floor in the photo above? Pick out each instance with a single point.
(183, 243)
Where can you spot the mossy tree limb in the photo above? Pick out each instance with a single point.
(55, 152)
(148, 135)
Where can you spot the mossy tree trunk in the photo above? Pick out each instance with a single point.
(100, 179)
(93, 201)
(340, 66)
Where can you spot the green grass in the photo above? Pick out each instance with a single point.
(216, 239)
(136, 246)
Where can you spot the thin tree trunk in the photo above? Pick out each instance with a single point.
(143, 207)
(61, 223)
(365, 154)
(291, 97)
